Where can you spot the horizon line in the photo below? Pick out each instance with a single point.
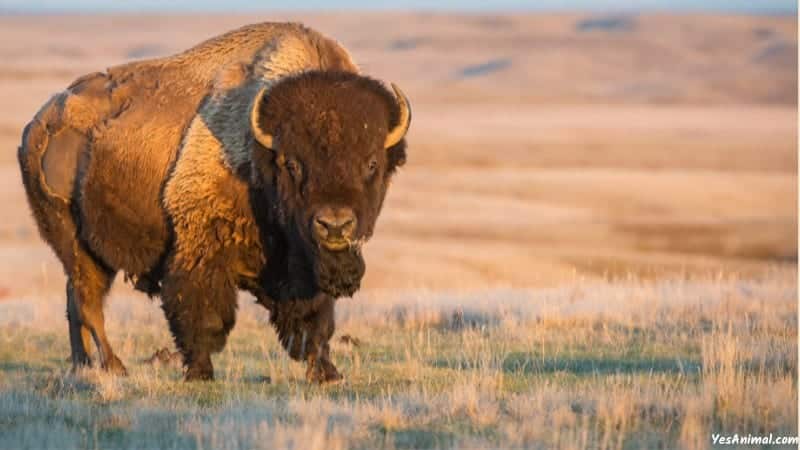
(177, 12)
(130, 10)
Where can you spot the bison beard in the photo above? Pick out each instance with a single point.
(339, 273)
(302, 276)
(299, 269)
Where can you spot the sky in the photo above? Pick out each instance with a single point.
(740, 6)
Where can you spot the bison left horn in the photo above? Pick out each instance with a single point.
(399, 131)
(263, 138)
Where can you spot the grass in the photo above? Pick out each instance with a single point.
(609, 365)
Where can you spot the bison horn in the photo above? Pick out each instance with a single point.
(399, 131)
(263, 138)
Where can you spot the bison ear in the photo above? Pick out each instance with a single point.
(263, 138)
(397, 133)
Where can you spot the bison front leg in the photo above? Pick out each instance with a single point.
(200, 306)
(304, 328)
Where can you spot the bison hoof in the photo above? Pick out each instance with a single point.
(197, 373)
(323, 371)
(80, 361)
(115, 366)
(77, 368)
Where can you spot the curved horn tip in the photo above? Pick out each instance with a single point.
(397, 90)
(401, 96)
(398, 133)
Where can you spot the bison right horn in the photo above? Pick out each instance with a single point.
(263, 138)
(399, 131)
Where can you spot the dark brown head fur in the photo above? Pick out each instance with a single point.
(327, 165)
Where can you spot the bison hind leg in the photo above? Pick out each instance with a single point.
(80, 337)
(88, 284)
(51, 151)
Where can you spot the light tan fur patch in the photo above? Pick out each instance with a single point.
(204, 197)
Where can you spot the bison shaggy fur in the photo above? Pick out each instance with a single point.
(258, 160)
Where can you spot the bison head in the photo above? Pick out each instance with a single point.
(326, 147)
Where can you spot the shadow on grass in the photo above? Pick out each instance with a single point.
(30, 420)
(17, 366)
(528, 363)
(417, 438)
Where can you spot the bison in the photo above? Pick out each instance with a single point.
(258, 160)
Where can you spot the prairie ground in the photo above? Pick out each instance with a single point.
(625, 364)
(593, 244)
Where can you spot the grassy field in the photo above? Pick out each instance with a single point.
(622, 364)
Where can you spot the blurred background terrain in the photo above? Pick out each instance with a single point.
(544, 145)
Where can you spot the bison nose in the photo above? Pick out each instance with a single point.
(334, 225)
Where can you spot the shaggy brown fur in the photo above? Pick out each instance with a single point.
(151, 169)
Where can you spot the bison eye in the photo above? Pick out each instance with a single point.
(294, 168)
(372, 167)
